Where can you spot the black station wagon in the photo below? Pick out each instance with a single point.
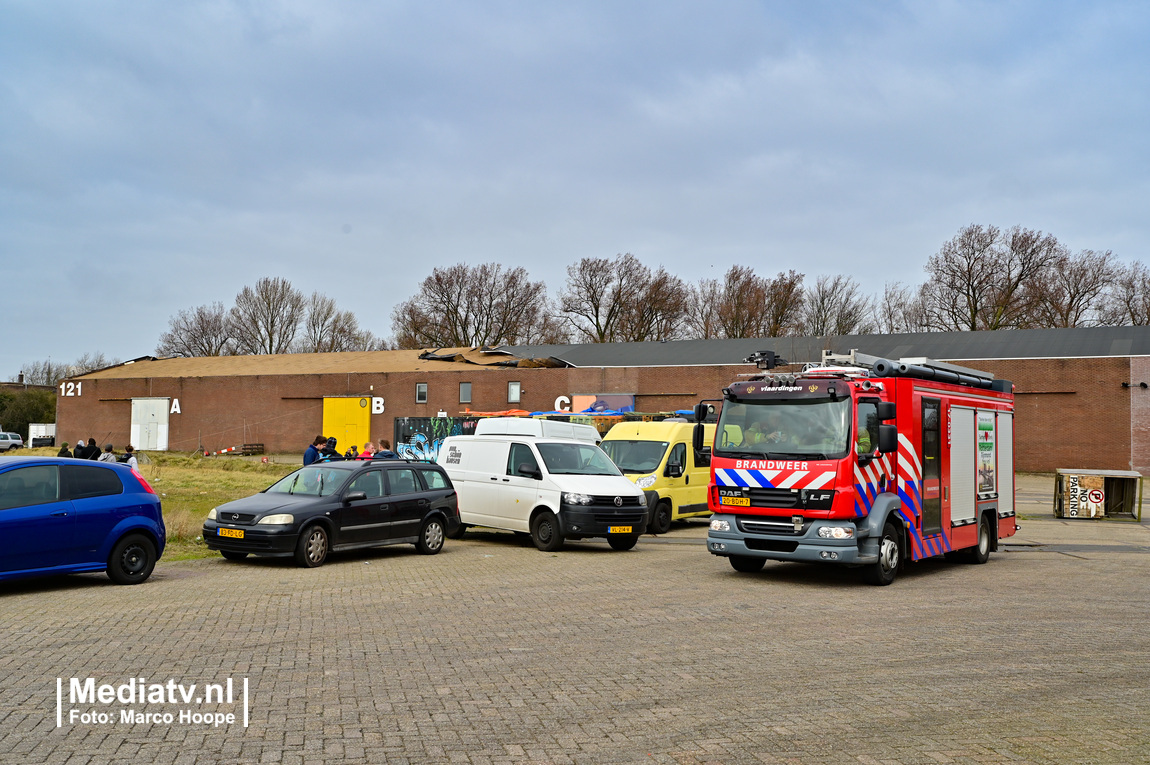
(336, 506)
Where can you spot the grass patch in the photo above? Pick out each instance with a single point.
(190, 485)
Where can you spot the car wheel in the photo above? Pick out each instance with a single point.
(545, 532)
(458, 533)
(883, 571)
(132, 560)
(622, 541)
(312, 548)
(233, 555)
(747, 564)
(430, 537)
(980, 553)
(661, 518)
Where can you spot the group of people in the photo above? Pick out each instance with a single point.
(90, 451)
(323, 448)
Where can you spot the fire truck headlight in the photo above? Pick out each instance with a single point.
(719, 525)
(837, 532)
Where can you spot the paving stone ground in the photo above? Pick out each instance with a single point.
(493, 652)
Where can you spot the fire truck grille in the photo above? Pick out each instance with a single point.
(773, 498)
(770, 545)
(779, 526)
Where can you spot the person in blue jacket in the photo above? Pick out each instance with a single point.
(311, 453)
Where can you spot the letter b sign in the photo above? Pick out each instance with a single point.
(377, 405)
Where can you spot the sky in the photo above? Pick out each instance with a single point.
(159, 156)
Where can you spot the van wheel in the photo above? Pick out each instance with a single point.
(747, 564)
(660, 518)
(980, 553)
(885, 569)
(545, 532)
(622, 542)
(132, 560)
(233, 554)
(312, 548)
(430, 537)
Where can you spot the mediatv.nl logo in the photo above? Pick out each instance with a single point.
(169, 703)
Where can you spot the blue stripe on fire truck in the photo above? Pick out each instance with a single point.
(745, 478)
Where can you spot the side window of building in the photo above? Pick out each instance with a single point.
(433, 479)
(465, 393)
(371, 483)
(421, 393)
(519, 456)
(401, 481)
(34, 485)
(84, 481)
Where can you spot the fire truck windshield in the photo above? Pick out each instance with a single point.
(784, 429)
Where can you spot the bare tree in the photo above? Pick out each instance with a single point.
(622, 300)
(202, 331)
(743, 304)
(1070, 292)
(473, 306)
(266, 319)
(835, 306)
(49, 373)
(1127, 300)
(784, 302)
(326, 329)
(901, 309)
(701, 316)
(978, 280)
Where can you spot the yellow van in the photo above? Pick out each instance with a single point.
(658, 457)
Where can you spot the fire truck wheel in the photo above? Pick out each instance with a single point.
(980, 553)
(883, 571)
(747, 564)
(661, 518)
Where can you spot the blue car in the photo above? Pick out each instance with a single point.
(68, 516)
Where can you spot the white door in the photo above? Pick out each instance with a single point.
(150, 424)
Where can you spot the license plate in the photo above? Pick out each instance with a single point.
(233, 533)
(618, 529)
(739, 501)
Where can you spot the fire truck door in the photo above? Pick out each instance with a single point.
(931, 466)
(962, 466)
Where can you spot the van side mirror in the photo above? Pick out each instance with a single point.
(527, 470)
(674, 470)
(887, 439)
(701, 412)
(886, 410)
(697, 435)
(354, 496)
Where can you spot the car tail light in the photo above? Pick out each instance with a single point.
(147, 487)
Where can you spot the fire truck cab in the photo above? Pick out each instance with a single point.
(862, 461)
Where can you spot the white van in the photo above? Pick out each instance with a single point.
(554, 489)
(529, 426)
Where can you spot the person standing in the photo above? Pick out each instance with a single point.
(329, 451)
(93, 452)
(368, 450)
(64, 451)
(385, 452)
(352, 453)
(81, 451)
(108, 455)
(130, 457)
(311, 453)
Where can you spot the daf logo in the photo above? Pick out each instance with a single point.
(618, 501)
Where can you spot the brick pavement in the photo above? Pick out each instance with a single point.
(493, 652)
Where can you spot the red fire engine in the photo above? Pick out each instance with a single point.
(861, 461)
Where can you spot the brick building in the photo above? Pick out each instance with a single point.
(1081, 394)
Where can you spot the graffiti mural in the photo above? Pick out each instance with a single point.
(419, 438)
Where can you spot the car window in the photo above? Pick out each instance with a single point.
(433, 478)
(521, 454)
(33, 485)
(402, 481)
(86, 481)
(370, 483)
(678, 456)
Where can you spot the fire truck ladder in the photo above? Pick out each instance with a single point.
(920, 368)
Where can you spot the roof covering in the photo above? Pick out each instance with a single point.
(1078, 342)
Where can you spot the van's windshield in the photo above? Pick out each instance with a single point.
(576, 459)
(635, 456)
(784, 429)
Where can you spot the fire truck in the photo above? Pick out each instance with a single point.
(861, 461)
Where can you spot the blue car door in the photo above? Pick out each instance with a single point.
(98, 501)
(37, 526)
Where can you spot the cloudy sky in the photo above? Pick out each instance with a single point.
(159, 156)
